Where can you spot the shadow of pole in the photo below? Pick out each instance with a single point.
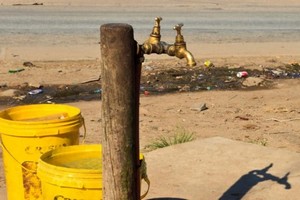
(249, 180)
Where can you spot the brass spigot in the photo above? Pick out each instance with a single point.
(155, 35)
(180, 47)
(154, 45)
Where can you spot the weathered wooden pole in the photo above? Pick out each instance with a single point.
(120, 76)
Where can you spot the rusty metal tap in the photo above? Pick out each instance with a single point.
(178, 49)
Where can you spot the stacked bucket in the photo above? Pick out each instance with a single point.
(42, 156)
(35, 164)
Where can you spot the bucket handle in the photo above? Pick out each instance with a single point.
(4, 147)
(144, 176)
(146, 179)
(84, 130)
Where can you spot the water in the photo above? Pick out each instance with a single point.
(85, 163)
(24, 25)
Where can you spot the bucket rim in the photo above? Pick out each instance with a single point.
(74, 117)
(70, 177)
(47, 127)
(61, 151)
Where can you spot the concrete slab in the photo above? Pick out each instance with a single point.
(219, 168)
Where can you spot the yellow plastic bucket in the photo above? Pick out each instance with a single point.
(29, 131)
(74, 172)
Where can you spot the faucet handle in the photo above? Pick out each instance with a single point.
(156, 29)
(157, 21)
(179, 36)
(177, 27)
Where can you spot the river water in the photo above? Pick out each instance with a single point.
(39, 25)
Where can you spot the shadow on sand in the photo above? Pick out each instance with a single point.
(240, 188)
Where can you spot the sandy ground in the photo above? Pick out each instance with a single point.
(268, 118)
(191, 3)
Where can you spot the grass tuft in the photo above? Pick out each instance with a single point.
(182, 136)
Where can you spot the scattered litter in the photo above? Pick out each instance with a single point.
(208, 64)
(200, 77)
(142, 88)
(91, 80)
(161, 88)
(98, 91)
(146, 93)
(36, 91)
(275, 73)
(12, 71)
(20, 98)
(294, 75)
(203, 107)
(185, 88)
(28, 64)
(47, 100)
(200, 108)
(197, 88)
(229, 79)
(279, 73)
(242, 74)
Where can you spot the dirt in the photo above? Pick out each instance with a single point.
(158, 78)
(207, 102)
(262, 108)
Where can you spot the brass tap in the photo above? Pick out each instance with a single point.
(178, 49)
(155, 35)
(153, 44)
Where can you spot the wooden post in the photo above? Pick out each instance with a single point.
(120, 76)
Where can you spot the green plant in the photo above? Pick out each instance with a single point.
(181, 136)
(260, 140)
